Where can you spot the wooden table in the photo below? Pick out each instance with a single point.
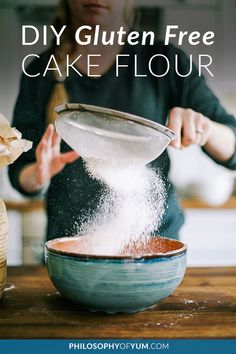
(186, 203)
(204, 306)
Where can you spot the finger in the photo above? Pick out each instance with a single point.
(175, 124)
(41, 149)
(47, 132)
(69, 157)
(199, 134)
(199, 128)
(206, 132)
(189, 133)
(40, 154)
(50, 135)
(55, 138)
(56, 142)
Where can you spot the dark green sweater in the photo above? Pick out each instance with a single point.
(72, 195)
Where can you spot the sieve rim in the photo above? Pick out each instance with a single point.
(119, 114)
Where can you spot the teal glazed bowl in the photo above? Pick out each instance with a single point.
(134, 281)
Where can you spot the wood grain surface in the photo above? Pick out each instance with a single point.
(204, 306)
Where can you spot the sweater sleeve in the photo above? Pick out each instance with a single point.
(193, 92)
(28, 118)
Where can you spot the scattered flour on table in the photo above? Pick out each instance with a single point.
(10, 287)
(130, 210)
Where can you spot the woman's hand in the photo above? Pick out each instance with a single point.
(49, 162)
(189, 126)
(192, 127)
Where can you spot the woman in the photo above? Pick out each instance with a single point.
(193, 112)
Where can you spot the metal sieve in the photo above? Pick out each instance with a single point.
(102, 133)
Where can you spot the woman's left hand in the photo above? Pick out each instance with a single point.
(189, 126)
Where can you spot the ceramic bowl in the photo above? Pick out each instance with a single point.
(136, 280)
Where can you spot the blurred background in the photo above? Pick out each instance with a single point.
(207, 191)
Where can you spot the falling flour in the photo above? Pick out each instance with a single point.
(130, 210)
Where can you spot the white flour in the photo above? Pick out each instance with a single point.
(131, 209)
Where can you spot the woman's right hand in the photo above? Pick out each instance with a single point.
(49, 162)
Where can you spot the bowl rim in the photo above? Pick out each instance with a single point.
(169, 254)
